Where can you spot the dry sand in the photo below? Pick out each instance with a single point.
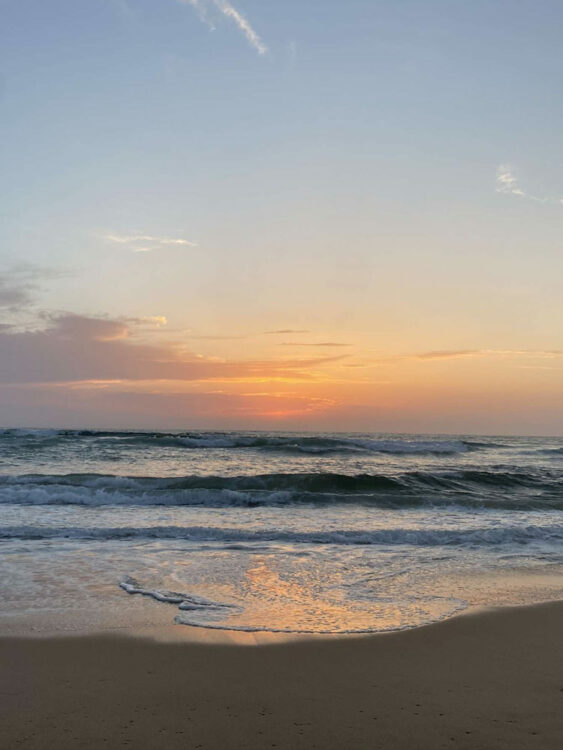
(483, 681)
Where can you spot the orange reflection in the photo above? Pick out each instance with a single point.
(301, 603)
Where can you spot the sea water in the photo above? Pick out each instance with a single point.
(285, 532)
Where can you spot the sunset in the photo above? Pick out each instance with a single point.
(358, 217)
(281, 374)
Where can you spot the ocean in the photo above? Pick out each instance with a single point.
(272, 531)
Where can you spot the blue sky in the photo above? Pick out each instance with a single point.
(386, 175)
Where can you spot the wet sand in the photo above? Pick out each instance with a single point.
(481, 681)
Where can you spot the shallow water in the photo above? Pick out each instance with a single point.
(277, 531)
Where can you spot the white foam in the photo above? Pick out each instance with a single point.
(187, 602)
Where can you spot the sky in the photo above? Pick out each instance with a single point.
(316, 215)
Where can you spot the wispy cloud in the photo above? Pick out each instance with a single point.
(156, 321)
(450, 354)
(460, 353)
(508, 184)
(446, 354)
(326, 344)
(206, 9)
(214, 337)
(286, 331)
(201, 8)
(14, 293)
(252, 37)
(146, 243)
(19, 284)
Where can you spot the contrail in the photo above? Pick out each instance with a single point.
(252, 37)
(229, 11)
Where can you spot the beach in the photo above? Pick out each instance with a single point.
(268, 531)
(272, 590)
(281, 404)
(490, 679)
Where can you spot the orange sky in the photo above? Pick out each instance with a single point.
(134, 373)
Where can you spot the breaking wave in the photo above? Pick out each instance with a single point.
(398, 536)
(518, 489)
(307, 444)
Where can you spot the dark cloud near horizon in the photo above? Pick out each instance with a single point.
(80, 348)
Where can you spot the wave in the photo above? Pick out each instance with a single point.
(480, 536)
(24, 432)
(510, 490)
(315, 445)
(305, 444)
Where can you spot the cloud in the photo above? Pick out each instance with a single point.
(286, 331)
(153, 320)
(205, 9)
(213, 337)
(146, 243)
(201, 8)
(507, 184)
(80, 327)
(19, 284)
(448, 354)
(320, 343)
(445, 354)
(13, 295)
(506, 181)
(252, 37)
(74, 348)
(459, 353)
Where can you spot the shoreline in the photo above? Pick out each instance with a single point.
(162, 630)
(481, 679)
